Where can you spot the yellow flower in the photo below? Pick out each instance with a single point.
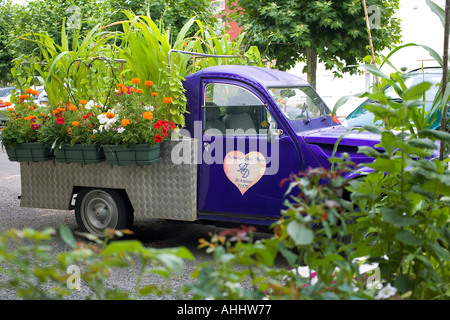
(148, 115)
(125, 122)
(167, 100)
(110, 115)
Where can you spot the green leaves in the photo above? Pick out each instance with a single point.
(299, 233)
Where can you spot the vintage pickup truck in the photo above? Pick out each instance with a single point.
(247, 128)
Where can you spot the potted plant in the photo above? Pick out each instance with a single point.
(24, 121)
(130, 131)
(70, 133)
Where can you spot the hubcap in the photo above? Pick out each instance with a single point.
(99, 212)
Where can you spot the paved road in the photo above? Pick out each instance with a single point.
(151, 232)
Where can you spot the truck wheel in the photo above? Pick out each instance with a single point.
(100, 209)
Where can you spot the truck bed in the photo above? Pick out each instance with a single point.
(161, 190)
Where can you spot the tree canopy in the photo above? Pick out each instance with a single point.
(334, 32)
(48, 16)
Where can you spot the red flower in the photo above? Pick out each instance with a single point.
(172, 125)
(60, 120)
(158, 138)
(87, 116)
(158, 124)
(164, 131)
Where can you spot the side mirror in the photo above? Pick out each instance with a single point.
(274, 132)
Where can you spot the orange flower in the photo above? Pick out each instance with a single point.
(10, 109)
(82, 101)
(55, 111)
(28, 90)
(125, 122)
(148, 83)
(154, 94)
(72, 107)
(75, 123)
(148, 115)
(167, 100)
(110, 115)
(23, 97)
(69, 130)
(136, 80)
(132, 89)
(120, 85)
(8, 104)
(35, 93)
(61, 109)
(139, 91)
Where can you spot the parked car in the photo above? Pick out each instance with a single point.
(5, 93)
(42, 98)
(361, 116)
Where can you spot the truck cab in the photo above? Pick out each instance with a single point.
(256, 127)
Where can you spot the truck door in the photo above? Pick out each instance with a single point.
(241, 170)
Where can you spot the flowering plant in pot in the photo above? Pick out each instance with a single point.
(20, 134)
(131, 123)
(70, 132)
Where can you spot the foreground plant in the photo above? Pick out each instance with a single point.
(28, 267)
(404, 216)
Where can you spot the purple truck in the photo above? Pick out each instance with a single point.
(247, 129)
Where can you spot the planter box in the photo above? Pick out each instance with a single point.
(33, 151)
(139, 154)
(79, 153)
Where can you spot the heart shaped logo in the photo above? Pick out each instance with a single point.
(244, 170)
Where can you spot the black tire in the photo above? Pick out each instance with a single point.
(100, 209)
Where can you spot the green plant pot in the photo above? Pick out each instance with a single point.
(139, 154)
(80, 153)
(32, 151)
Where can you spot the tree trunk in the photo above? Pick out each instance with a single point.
(311, 67)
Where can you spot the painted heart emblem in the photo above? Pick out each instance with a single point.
(244, 170)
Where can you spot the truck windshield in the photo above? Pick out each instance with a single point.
(299, 103)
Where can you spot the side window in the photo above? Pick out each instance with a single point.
(230, 109)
